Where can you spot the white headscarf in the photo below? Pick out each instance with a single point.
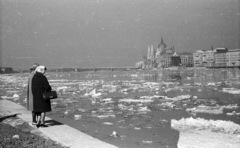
(41, 69)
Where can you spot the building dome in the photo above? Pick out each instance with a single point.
(162, 45)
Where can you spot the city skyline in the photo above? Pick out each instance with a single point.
(98, 33)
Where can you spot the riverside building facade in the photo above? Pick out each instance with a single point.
(186, 59)
(203, 58)
(164, 57)
(198, 58)
(233, 57)
(218, 58)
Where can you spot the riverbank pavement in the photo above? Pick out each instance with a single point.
(61, 133)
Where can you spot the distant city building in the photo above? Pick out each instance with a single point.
(164, 54)
(203, 58)
(220, 57)
(233, 57)
(186, 59)
(6, 70)
(140, 64)
(209, 58)
(198, 58)
(161, 47)
(176, 60)
(151, 51)
(164, 57)
(151, 57)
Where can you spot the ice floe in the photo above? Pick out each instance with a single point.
(231, 90)
(114, 134)
(181, 97)
(129, 100)
(233, 113)
(107, 123)
(206, 109)
(201, 133)
(231, 106)
(77, 117)
(221, 126)
(105, 116)
(93, 94)
(217, 109)
(15, 96)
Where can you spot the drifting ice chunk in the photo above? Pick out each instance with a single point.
(201, 133)
(66, 112)
(202, 124)
(93, 93)
(6, 97)
(114, 134)
(231, 106)
(15, 96)
(105, 116)
(96, 95)
(107, 100)
(178, 98)
(211, 84)
(195, 97)
(135, 100)
(15, 137)
(108, 123)
(143, 109)
(233, 113)
(77, 117)
(231, 90)
(147, 141)
(206, 109)
(137, 128)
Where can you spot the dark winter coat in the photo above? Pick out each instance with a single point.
(29, 93)
(39, 85)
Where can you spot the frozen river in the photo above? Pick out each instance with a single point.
(134, 108)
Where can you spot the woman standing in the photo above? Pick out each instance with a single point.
(30, 95)
(39, 85)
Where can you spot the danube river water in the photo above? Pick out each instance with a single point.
(134, 109)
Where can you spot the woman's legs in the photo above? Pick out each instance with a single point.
(38, 117)
(41, 119)
(43, 114)
(34, 119)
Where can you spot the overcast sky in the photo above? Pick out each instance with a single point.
(111, 33)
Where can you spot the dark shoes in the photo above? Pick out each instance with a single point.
(41, 125)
